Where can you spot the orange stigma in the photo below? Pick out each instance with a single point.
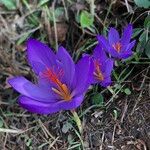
(98, 73)
(117, 46)
(62, 89)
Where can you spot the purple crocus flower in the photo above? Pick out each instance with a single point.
(102, 67)
(61, 83)
(119, 48)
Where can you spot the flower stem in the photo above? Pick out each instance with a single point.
(110, 89)
(77, 120)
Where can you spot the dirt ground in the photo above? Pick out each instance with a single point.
(122, 123)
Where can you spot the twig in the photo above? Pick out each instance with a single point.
(109, 9)
(25, 33)
(140, 96)
(10, 131)
(99, 19)
(92, 7)
(46, 132)
(5, 141)
(127, 5)
(55, 26)
(140, 16)
(113, 96)
(86, 31)
(113, 136)
(124, 111)
(66, 12)
(51, 145)
(47, 24)
(101, 147)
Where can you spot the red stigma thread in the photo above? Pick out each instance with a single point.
(62, 89)
(52, 76)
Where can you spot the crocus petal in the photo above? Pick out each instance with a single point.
(108, 67)
(38, 107)
(81, 79)
(41, 67)
(44, 83)
(113, 36)
(41, 53)
(108, 48)
(126, 36)
(104, 42)
(131, 45)
(106, 82)
(89, 77)
(49, 108)
(67, 65)
(114, 53)
(125, 55)
(72, 104)
(99, 53)
(28, 89)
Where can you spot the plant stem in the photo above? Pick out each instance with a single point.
(111, 90)
(77, 120)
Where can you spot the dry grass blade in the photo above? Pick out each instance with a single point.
(11, 131)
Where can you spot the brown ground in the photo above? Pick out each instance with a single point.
(129, 130)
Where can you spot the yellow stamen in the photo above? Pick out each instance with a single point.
(117, 46)
(98, 73)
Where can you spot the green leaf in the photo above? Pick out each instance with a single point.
(98, 99)
(147, 49)
(22, 39)
(9, 4)
(142, 38)
(115, 114)
(59, 14)
(147, 22)
(142, 3)
(42, 2)
(142, 42)
(136, 32)
(127, 91)
(1, 123)
(86, 19)
(29, 142)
